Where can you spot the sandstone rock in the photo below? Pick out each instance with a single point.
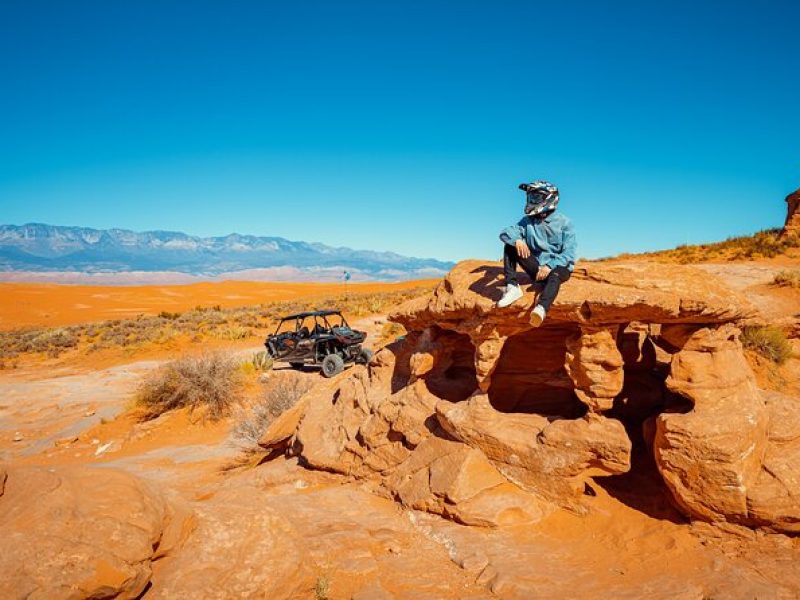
(449, 478)
(553, 459)
(594, 363)
(478, 416)
(284, 426)
(240, 549)
(711, 456)
(373, 591)
(73, 533)
(792, 225)
(773, 501)
(597, 295)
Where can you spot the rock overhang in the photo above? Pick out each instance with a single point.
(597, 294)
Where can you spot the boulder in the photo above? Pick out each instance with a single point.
(792, 225)
(733, 457)
(551, 458)
(773, 500)
(102, 533)
(452, 479)
(283, 427)
(710, 457)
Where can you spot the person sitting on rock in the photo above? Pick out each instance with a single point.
(543, 244)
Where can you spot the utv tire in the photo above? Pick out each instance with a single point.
(332, 365)
(364, 356)
(297, 366)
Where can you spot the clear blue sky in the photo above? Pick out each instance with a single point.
(402, 126)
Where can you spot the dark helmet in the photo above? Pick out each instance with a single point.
(542, 197)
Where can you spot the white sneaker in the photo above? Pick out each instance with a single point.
(537, 315)
(511, 295)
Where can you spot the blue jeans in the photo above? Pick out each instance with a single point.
(530, 265)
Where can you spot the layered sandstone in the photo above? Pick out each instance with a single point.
(480, 417)
(792, 225)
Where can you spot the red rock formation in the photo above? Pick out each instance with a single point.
(477, 416)
(710, 457)
(792, 225)
(68, 533)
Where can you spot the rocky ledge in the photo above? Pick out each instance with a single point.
(477, 416)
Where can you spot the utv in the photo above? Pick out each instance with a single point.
(321, 339)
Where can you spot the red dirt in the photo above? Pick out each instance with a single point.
(33, 304)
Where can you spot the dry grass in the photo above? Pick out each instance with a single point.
(391, 331)
(261, 362)
(769, 342)
(211, 382)
(193, 326)
(788, 279)
(51, 342)
(280, 395)
(764, 244)
(322, 588)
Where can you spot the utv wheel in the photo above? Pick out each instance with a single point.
(296, 366)
(364, 356)
(332, 365)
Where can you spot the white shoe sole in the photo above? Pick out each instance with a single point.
(503, 303)
(536, 319)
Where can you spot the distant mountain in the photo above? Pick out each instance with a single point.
(44, 250)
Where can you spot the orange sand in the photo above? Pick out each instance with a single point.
(44, 304)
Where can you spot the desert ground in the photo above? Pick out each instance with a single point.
(234, 520)
(53, 305)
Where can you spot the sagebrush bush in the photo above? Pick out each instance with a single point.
(212, 382)
(769, 342)
(261, 361)
(280, 395)
(231, 333)
(787, 279)
(52, 341)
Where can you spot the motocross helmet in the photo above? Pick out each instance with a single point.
(542, 197)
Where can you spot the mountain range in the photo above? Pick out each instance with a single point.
(36, 251)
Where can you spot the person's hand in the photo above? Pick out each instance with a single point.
(543, 273)
(522, 248)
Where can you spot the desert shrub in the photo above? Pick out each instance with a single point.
(322, 588)
(787, 279)
(231, 332)
(261, 361)
(50, 341)
(769, 342)
(211, 381)
(60, 339)
(280, 395)
(170, 316)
